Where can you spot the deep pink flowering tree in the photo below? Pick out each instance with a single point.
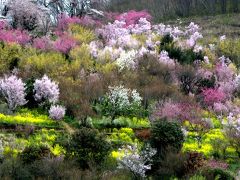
(132, 17)
(43, 43)
(15, 36)
(213, 95)
(64, 44)
(64, 21)
(12, 90)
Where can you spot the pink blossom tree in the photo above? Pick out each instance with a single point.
(132, 17)
(64, 44)
(213, 95)
(14, 36)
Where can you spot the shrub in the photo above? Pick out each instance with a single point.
(217, 174)
(35, 152)
(164, 136)
(172, 165)
(15, 36)
(193, 162)
(122, 137)
(187, 79)
(36, 65)
(26, 14)
(8, 54)
(183, 56)
(88, 146)
(81, 34)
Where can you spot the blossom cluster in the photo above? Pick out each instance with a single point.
(135, 162)
(13, 91)
(46, 90)
(57, 112)
(121, 97)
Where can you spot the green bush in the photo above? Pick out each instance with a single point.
(219, 174)
(183, 56)
(123, 136)
(88, 146)
(35, 152)
(166, 135)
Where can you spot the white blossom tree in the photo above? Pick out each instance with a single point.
(12, 90)
(57, 112)
(137, 162)
(46, 90)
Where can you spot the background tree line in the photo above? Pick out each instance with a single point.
(166, 9)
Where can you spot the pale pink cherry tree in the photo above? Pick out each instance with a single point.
(12, 90)
(46, 90)
(57, 112)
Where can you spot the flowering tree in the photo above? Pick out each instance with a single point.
(43, 43)
(46, 90)
(120, 101)
(14, 36)
(132, 17)
(127, 60)
(12, 90)
(27, 15)
(211, 96)
(57, 112)
(64, 44)
(137, 163)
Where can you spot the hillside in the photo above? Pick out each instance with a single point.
(119, 98)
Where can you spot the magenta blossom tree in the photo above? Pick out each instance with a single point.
(132, 17)
(64, 44)
(213, 95)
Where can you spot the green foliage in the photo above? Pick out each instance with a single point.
(183, 56)
(10, 55)
(81, 34)
(122, 137)
(214, 143)
(197, 177)
(104, 122)
(218, 174)
(35, 152)
(88, 146)
(27, 118)
(166, 135)
(38, 64)
(230, 48)
(81, 59)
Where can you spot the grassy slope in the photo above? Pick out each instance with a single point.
(228, 24)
